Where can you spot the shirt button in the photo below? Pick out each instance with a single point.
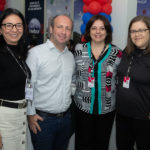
(24, 123)
(25, 113)
(23, 132)
(23, 142)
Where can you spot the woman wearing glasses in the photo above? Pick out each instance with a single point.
(13, 79)
(96, 63)
(133, 90)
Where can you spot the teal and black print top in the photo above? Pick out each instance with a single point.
(99, 99)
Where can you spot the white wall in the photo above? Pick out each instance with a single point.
(123, 12)
(18, 4)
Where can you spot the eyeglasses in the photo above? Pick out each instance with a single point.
(140, 31)
(9, 26)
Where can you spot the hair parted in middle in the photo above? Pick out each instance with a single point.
(130, 45)
(107, 26)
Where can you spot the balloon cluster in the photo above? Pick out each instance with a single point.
(2, 5)
(94, 7)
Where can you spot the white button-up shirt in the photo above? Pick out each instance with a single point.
(52, 72)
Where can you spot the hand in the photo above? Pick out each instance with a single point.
(1, 144)
(33, 124)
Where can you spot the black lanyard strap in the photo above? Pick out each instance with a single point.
(23, 68)
(100, 56)
(129, 67)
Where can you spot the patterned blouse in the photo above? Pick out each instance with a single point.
(99, 99)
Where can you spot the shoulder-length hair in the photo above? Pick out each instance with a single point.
(106, 25)
(22, 41)
(130, 45)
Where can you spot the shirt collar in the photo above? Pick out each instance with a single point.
(52, 46)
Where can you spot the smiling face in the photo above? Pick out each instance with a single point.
(140, 35)
(98, 32)
(11, 36)
(60, 33)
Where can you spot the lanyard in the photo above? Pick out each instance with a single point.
(24, 69)
(129, 67)
(100, 56)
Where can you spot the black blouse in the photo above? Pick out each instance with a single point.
(12, 77)
(134, 101)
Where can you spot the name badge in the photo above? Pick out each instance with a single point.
(126, 82)
(28, 91)
(91, 81)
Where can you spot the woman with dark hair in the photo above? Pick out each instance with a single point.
(96, 63)
(14, 77)
(133, 89)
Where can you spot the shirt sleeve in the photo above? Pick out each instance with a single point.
(32, 62)
(73, 84)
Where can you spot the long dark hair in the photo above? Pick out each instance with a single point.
(22, 42)
(106, 25)
(130, 48)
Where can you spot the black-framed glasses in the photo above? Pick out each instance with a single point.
(9, 26)
(141, 31)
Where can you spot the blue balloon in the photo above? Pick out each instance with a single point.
(106, 15)
(86, 17)
(82, 28)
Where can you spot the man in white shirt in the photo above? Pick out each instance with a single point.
(52, 67)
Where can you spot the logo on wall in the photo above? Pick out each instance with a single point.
(142, 1)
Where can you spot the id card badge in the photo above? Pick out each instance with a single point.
(91, 81)
(28, 90)
(126, 82)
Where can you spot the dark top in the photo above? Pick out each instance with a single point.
(12, 77)
(95, 110)
(134, 101)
